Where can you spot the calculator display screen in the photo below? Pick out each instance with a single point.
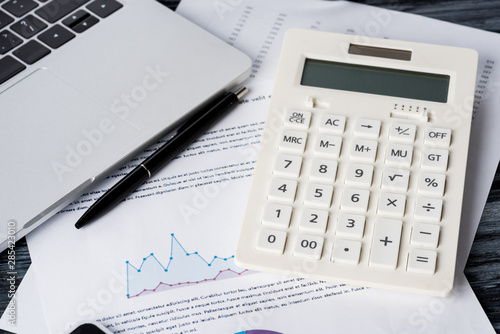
(376, 80)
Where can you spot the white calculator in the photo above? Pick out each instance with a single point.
(360, 175)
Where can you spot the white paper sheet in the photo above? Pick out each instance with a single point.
(206, 218)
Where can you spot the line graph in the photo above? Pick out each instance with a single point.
(183, 268)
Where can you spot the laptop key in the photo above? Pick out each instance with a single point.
(57, 9)
(8, 41)
(104, 8)
(19, 7)
(28, 26)
(80, 21)
(56, 36)
(9, 67)
(4, 19)
(31, 52)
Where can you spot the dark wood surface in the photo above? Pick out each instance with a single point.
(483, 266)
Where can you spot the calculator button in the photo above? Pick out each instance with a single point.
(422, 261)
(355, 200)
(318, 195)
(425, 235)
(428, 209)
(332, 123)
(314, 221)
(350, 225)
(297, 119)
(385, 243)
(435, 160)
(328, 146)
(293, 141)
(395, 179)
(402, 132)
(282, 190)
(391, 204)
(367, 128)
(323, 170)
(271, 241)
(437, 137)
(309, 246)
(288, 165)
(346, 251)
(431, 184)
(359, 174)
(277, 215)
(363, 150)
(399, 155)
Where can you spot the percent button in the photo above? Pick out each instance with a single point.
(431, 184)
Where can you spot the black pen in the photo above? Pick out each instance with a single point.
(192, 129)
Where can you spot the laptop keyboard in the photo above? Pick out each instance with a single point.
(30, 30)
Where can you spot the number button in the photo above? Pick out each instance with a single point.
(328, 146)
(363, 150)
(297, 119)
(368, 128)
(396, 179)
(350, 225)
(293, 141)
(288, 165)
(318, 195)
(346, 251)
(323, 170)
(277, 215)
(385, 243)
(355, 200)
(359, 174)
(314, 221)
(271, 241)
(332, 123)
(309, 246)
(282, 190)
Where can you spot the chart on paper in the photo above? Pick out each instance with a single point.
(182, 268)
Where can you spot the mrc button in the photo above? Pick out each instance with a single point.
(438, 137)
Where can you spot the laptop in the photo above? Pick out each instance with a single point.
(85, 85)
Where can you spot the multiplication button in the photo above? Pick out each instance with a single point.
(392, 205)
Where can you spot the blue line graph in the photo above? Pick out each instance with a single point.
(183, 268)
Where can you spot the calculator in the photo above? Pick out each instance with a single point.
(360, 173)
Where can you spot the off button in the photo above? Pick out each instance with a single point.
(437, 137)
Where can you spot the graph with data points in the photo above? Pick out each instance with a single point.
(182, 268)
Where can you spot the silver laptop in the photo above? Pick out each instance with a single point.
(86, 85)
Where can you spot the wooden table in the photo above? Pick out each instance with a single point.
(483, 266)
